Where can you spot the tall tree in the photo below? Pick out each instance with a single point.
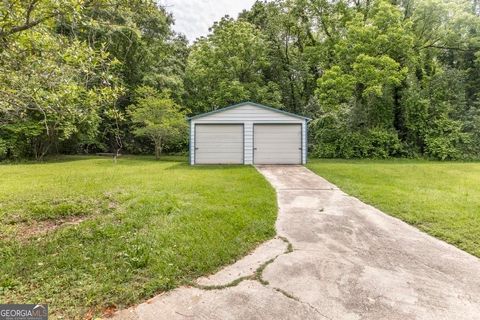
(138, 34)
(228, 66)
(289, 37)
(52, 87)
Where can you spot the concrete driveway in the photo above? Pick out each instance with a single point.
(334, 258)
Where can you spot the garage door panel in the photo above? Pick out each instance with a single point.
(219, 147)
(286, 147)
(289, 132)
(226, 135)
(217, 144)
(275, 160)
(283, 139)
(206, 151)
(215, 128)
(293, 160)
(223, 155)
(278, 144)
(226, 159)
(277, 129)
(218, 141)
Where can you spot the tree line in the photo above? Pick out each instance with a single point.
(398, 78)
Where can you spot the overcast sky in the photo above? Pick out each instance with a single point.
(194, 17)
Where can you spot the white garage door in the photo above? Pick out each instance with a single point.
(218, 143)
(277, 144)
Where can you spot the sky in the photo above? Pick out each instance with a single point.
(194, 17)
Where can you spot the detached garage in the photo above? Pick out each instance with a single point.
(248, 133)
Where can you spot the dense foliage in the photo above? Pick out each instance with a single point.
(379, 78)
(158, 118)
(69, 69)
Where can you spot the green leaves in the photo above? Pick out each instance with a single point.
(335, 87)
(228, 66)
(398, 69)
(19, 16)
(156, 116)
(53, 84)
(71, 75)
(375, 73)
(371, 66)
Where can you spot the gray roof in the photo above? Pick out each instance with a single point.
(250, 103)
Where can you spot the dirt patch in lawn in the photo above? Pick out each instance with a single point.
(24, 231)
(39, 218)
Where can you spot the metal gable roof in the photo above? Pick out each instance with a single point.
(247, 103)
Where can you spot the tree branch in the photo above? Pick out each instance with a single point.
(26, 26)
(29, 11)
(451, 48)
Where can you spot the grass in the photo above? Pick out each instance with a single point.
(84, 234)
(440, 198)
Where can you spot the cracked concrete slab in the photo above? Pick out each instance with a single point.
(247, 300)
(246, 266)
(349, 261)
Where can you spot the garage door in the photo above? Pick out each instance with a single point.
(215, 143)
(277, 144)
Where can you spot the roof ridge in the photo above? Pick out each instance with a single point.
(244, 103)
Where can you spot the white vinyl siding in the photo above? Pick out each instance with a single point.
(248, 151)
(247, 115)
(192, 143)
(277, 144)
(304, 141)
(219, 143)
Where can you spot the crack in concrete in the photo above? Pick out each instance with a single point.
(223, 286)
(315, 309)
(358, 276)
(258, 276)
(291, 296)
(260, 279)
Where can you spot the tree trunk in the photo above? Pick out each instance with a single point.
(40, 147)
(158, 149)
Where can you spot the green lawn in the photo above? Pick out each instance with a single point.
(84, 234)
(440, 198)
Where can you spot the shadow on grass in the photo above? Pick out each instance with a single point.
(50, 160)
(124, 159)
(204, 167)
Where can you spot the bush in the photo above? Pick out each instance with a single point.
(382, 143)
(3, 149)
(446, 140)
(441, 148)
(345, 143)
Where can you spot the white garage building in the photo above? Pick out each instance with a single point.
(248, 133)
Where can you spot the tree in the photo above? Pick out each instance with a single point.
(292, 49)
(228, 66)
(69, 69)
(379, 77)
(156, 116)
(138, 34)
(18, 16)
(52, 87)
